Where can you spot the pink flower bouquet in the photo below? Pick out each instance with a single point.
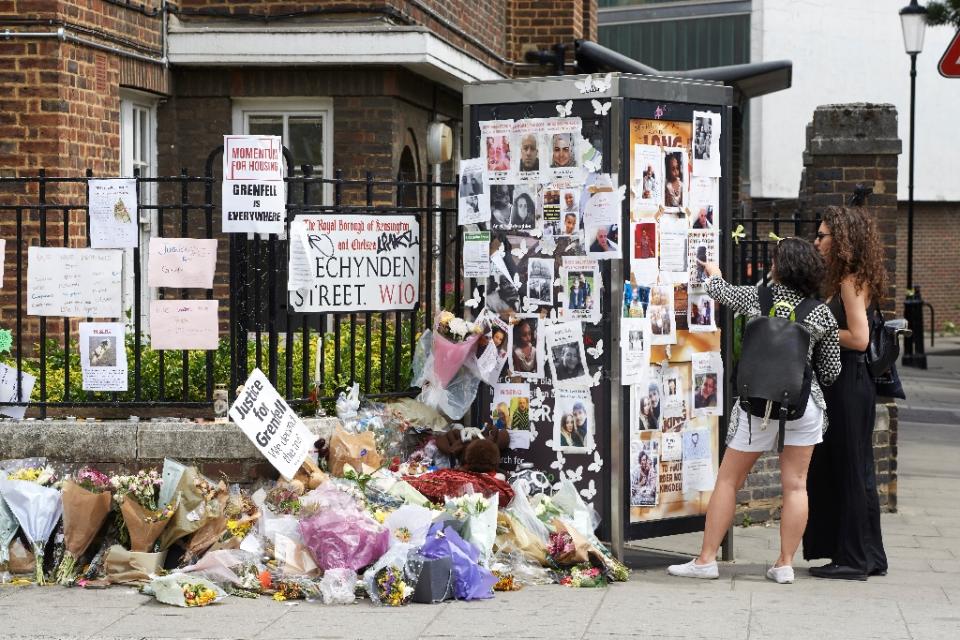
(453, 340)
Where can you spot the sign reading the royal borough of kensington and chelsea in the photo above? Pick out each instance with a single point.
(348, 262)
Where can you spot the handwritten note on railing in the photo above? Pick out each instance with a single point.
(74, 282)
(181, 262)
(183, 324)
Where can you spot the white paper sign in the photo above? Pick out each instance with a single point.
(103, 356)
(254, 197)
(706, 144)
(473, 199)
(356, 263)
(8, 391)
(671, 446)
(707, 389)
(673, 246)
(495, 150)
(74, 282)
(184, 324)
(113, 214)
(635, 345)
(648, 187)
(272, 426)
(182, 263)
(568, 362)
(476, 254)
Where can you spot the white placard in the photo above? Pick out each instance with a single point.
(673, 246)
(355, 263)
(671, 446)
(476, 254)
(113, 213)
(74, 282)
(182, 263)
(254, 197)
(635, 346)
(103, 356)
(184, 324)
(473, 198)
(706, 144)
(273, 427)
(8, 391)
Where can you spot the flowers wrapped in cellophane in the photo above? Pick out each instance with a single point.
(478, 516)
(87, 502)
(144, 519)
(471, 581)
(338, 586)
(184, 590)
(36, 505)
(439, 365)
(342, 535)
(8, 530)
(453, 341)
(392, 580)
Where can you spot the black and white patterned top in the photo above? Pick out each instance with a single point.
(824, 354)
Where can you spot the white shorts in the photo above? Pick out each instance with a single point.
(804, 431)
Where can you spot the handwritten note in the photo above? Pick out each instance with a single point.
(103, 356)
(113, 214)
(184, 324)
(74, 282)
(8, 391)
(182, 262)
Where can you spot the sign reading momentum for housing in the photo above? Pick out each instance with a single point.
(254, 198)
(347, 262)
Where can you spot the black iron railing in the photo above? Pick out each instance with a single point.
(307, 356)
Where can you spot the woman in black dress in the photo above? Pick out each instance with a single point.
(844, 520)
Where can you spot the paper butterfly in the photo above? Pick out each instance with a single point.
(575, 475)
(622, 192)
(604, 84)
(559, 462)
(601, 108)
(597, 351)
(533, 430)
(590, 491)
(516, 280)
(558, 282)
(473, 302)
(547, 246)
(596, 377)
(529, 305)
(565, 109)
(499, 253)
(586, 86)
(597, 463)
(593, 164)
(519, 252)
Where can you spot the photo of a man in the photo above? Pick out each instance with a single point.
(706, 396)
(529, 153)
(602, 242)
(569, 224)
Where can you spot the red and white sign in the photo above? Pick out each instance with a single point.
(252, 158)
(949, 66)
(254, 197)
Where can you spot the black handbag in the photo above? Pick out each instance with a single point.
(884, 347)
(889, 386)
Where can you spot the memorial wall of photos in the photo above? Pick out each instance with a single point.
(538, 218)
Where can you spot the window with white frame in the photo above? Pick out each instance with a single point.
(138, 152)
(304, 124)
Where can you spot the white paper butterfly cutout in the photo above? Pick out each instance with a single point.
(473, 302)
(529, 305)
(601, 108)
(597, 463)
(603, 84)
(593, 164)
(597, 351)
(558, 282)
(499, 253)
(516, 280)
(575, 475)
(564, 110)
(622, 192)
(547, 246)
(559, 462)
(586, 86)
(533, 431)
(521, 250)
(590, 491)
(596, 377)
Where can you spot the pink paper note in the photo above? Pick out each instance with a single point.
(181, 263)
(184, 324)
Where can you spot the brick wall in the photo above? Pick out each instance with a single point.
(936, 237)
(846, 145)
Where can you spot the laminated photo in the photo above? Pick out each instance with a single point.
(495, 140)
(540, 281)
(700, 313)
(603, 241)
(636, 300)
(644, 240)
(701, 248)
(673, 247)
(473, 203)
(581, 288)
(560, 153)
(526, 360)
(704, 202)
(677, 180)
(527, 138)
(645, 405)
(568, 360)
(635, 347)
(707, 391)
(103, 356)
(494, 357)
(510, 407)
(645, 470)
(513, 207)
(660, 311)
(573, 420)
(706, 144)
(648, 186)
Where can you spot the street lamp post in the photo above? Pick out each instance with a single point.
(913, 20)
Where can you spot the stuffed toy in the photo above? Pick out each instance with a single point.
(477, 451)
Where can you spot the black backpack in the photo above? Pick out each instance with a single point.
(773, 376)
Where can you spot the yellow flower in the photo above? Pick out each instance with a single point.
(279, 597)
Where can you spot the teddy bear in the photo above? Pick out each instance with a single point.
(476, 450)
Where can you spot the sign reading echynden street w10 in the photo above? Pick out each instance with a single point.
(254, 198)
(345, 262)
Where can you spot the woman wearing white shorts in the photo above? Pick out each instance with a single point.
(797, 273)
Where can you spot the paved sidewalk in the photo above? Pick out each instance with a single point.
(918, 599)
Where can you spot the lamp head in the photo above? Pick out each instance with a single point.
(913, 20)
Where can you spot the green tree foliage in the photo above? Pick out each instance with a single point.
(946, 12)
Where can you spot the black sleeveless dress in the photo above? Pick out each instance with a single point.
(844, 520)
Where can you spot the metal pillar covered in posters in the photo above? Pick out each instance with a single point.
(623, 120)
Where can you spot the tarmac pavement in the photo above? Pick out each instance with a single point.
(918, 599)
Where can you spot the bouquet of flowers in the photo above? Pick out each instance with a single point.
(344, 538)
(584, 576)
(544, 508)
(143, 518)
(86, 505)
(453, 340)
(8, 530)
(35, 502)
(393, 579)
(471, 581)
(338, 586)
(409, 525)
(479, 518)
(184, 590)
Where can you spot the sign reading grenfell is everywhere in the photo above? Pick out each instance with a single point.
(254, 198)
(343, 262)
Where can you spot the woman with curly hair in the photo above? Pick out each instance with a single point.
(844, 522)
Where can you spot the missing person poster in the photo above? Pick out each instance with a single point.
(706, 144)
(635, 345)
(580, 278)
(561, 141)
(648, 186)
(644, 469)
(474, 204)
(701, 248)
(568, 360)
(354, 262)
(113, 213)
(80, 283)
(510, 410)
(573, 420)
(495, 144)
(704, 202)
(254, 194)
(527, 140)
(707, 392)
(476, 254)
(273, 427)
(103, 356)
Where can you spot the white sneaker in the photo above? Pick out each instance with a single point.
(780, 575)
(693, 570)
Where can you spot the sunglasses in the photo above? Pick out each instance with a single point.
(821, 235)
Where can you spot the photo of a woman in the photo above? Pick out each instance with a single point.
(524, 211)
(524, 359)
(674, 187)
(569, 436)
